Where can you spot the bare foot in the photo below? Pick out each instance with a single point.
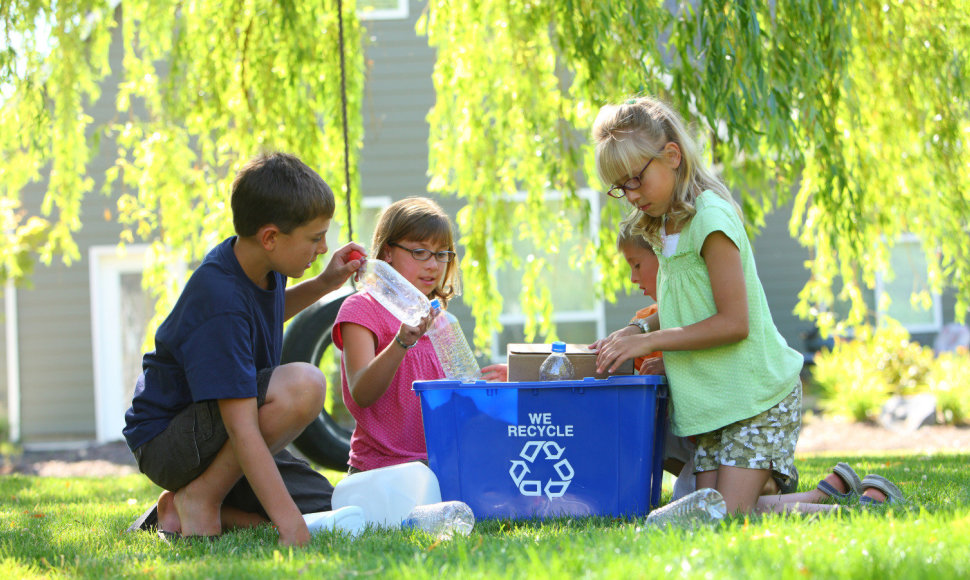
(836, 482)
(197, 516)
(874, 494)
(168, 518)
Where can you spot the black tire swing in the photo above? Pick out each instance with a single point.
(308, 335)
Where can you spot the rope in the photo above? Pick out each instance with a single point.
(343, 114)
(343, 111)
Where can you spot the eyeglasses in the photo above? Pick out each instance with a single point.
(423, 255)
(618, 191)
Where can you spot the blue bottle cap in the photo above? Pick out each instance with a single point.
(559, 346)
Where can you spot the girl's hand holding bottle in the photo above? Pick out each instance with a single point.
(408, 336)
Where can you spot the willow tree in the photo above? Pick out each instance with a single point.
(855, 112)
(858, 112)
(203, 85)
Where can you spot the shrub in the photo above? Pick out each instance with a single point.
(858, 376)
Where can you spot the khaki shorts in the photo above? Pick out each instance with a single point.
(765, 441)
(186, 448)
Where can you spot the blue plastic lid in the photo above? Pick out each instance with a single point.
(435, 304)
(559, 346)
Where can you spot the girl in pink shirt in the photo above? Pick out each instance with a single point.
(381, 355)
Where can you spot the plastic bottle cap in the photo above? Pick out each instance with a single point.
(355, 255)
(559, 346)
(435, 304)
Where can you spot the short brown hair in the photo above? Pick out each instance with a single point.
(279, 189)
(419, 219)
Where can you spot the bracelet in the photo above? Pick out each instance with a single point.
(398, 340)
(642, 324)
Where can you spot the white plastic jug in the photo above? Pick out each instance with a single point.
(388, 494)
(349, 519)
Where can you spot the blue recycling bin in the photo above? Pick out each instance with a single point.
(547, 449)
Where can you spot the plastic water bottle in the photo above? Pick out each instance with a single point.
(557, 367)
(442, 520)
(452, 348)
(394, 292)
(703, 507)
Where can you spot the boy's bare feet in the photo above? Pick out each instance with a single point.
(197, 517)
(168, 518)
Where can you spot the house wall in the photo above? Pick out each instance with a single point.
(56, 362)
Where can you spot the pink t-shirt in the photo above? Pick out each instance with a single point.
(390, 431)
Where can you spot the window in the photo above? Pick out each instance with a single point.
(908, 262)
(120, 311)
(382, 9)
(579, 316)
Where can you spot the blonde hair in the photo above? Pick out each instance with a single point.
(639, 129)
(419, 219)
(631, 235)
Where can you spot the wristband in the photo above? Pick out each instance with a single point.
(641, 323)
(400, 342)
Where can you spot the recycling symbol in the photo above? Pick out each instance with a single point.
(552, 452)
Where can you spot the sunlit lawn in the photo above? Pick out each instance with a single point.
(53, 527)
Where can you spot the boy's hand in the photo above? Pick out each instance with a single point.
(344, 263)
(294, 533)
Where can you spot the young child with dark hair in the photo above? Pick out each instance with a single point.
(214, 409)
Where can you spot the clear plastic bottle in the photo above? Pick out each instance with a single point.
(557, 367)
(452, 348)
(442, 520)
(703, 507)
(394, 292)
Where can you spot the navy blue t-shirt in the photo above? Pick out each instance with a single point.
(223, 329)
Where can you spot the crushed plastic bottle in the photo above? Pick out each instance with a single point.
(452, 348)
(557, 367)
(394, 292)
(442, 520)
(703, 507)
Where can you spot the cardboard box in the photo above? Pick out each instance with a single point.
(525, 360)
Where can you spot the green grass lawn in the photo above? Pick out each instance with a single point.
(53, 527)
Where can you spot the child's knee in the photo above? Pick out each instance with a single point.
(305, 388)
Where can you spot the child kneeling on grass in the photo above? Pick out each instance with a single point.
(214, 409)
(734, 382)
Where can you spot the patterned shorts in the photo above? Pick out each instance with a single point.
(765, 441)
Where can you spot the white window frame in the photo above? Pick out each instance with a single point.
(106, 265)
(596, 314)
(936, 310)
(399, 13)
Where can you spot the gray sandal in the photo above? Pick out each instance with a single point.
(893, 494)
(849, 477)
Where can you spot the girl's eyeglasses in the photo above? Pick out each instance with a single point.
(423, 255)
(618, 191)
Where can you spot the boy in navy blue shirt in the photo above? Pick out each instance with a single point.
(213, 408)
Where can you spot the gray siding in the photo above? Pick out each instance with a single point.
(399, 93)
(56, 356)
(780, 261)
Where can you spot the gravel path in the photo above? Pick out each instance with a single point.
(817, 436)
